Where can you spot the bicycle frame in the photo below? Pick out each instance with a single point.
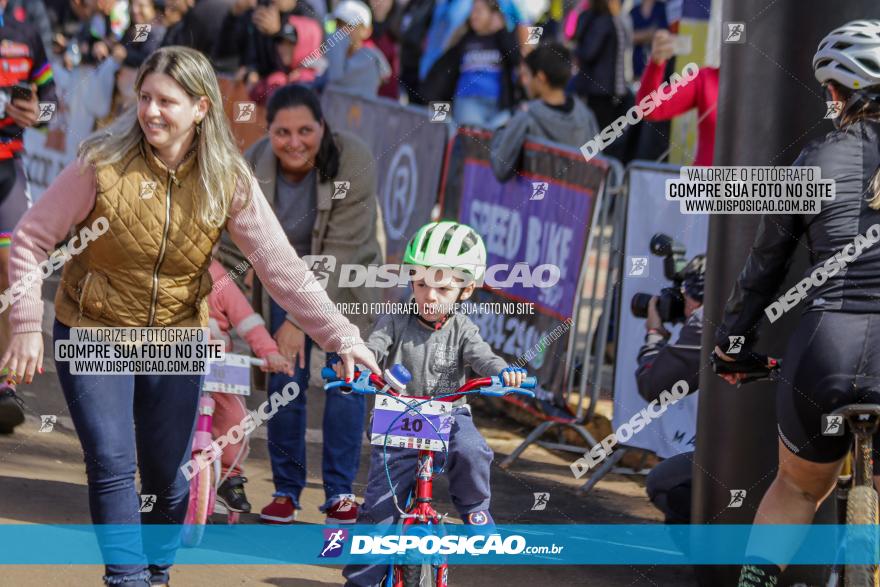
(422, 511)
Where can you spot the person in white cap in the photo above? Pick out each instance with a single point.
(355, 64)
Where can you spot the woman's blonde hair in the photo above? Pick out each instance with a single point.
(221, 166)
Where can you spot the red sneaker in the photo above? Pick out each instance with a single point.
(343, 510)
(282, 510)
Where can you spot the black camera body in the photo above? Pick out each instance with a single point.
(670, 303)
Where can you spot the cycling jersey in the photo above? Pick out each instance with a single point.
(850, 156)
(22, 61)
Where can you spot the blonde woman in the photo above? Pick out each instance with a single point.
(168, 179)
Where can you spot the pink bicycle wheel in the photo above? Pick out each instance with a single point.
(201, 494)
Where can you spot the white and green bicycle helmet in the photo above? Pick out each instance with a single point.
(448, 244)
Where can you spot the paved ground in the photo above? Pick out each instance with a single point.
(42, 480)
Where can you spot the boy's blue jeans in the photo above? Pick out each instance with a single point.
(468, 468)
(476, 111)
(124, 423)
(343, 432)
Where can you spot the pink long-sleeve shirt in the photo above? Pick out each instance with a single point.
(229, 309)
(701, 93)
(253, 227)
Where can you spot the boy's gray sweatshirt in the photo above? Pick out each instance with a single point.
(436, 358)
(360, 73)
(539, 121)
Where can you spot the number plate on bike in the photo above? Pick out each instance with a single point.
(230, 376)
(428, 429)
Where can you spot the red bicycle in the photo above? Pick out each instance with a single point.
(413, 433)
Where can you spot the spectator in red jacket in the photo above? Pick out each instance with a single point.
(701, 93)
(297, 46)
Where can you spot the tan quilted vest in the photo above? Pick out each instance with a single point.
(151, 267)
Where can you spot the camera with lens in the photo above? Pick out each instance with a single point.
(677, 269)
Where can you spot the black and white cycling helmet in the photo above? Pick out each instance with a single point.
(850, 56)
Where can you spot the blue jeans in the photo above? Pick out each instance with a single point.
(343, 430)
(468, 467)
(128, 422)
(475, 111)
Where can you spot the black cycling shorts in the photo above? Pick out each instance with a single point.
(832, 360)
(15, 197)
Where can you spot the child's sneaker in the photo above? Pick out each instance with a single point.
(231, 495)
(282, 510)
(341, 509)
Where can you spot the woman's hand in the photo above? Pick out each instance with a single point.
(291, 343)
(277, 363)
(731, 378)
(24, 357)
(358, 353)
(662, 46)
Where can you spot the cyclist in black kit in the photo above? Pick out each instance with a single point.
(25, 81)
(833, 357)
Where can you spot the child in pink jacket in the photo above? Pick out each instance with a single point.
(229, 308)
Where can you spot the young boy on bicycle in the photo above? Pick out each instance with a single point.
(435, 344)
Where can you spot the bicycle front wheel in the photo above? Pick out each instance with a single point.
(418, 575)
(200, 504)
(861, 513)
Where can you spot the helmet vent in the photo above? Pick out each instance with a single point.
(447, 238)
(470, 240)
(868, 65)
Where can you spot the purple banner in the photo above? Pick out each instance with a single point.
(534, 226)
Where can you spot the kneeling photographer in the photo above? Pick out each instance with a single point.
(661, 364)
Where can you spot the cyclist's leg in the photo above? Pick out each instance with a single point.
(101, 409)
(796, 493)
(469, 468)
(165, 409)
(378, 507)
(287, 429)
(825, 353)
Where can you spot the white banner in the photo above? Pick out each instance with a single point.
(649, 213)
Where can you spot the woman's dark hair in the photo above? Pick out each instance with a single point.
(293, 95)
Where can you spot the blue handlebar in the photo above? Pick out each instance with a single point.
(497, 389)
(362, 384)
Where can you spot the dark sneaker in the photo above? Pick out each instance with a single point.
(11, 410)
(231, 495)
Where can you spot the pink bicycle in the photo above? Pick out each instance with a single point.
(231, 376)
